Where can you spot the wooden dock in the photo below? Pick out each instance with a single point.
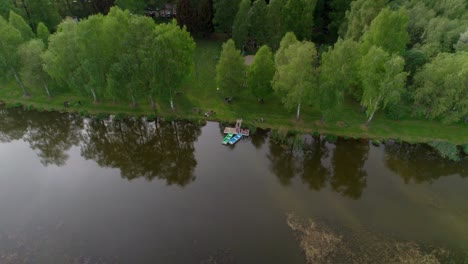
(237, 130)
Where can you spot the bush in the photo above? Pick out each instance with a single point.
(14, 105)
(251, 128)
(446, 150)
(465, 149)
(298, 143)
(29, 108)
(120, 116)
(394, 112)
(279, 136)
(316, 134)
(376, 142)
(83, 113)
(331, 138)
(150, 118)
(101, 116)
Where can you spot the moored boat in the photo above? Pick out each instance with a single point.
(235, 138)
(227, 138)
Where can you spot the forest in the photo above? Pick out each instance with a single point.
(397, 59)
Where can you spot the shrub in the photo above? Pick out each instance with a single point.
(150, 118)
(446, 150)
(251, 128)
(376, 142)
(101, 116)
(298, 143)
(316, 134)
(279, 136)
(14, 105)
(29, 108)
(120, 116)
(394, 112)
(83, 113)
(331, 138)
(465, 148)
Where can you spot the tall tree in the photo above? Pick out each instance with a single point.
(128, 77)
(240, 28)
(388, 31)
(300, 18)
(258, 17)
(261, 72)
(175, 63)
(360, 16)
(18, 22)
(441, 35)
(442, 87)
(276, 22)
(186, 15)
(61, 60)
(337, 15)
(32, 71)
(6, 6)
(230, 69)
(10, 39)
(225, 11)
(44, 11)
(135, 6)
(462, 44)
(420, 15)
(383, 80)
(295, 76)
(206, 16)
(43, 33)
(338, 73)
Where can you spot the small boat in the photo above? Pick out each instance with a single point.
(227, 138)
(235, 138)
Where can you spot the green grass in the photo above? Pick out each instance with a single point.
(199, 95)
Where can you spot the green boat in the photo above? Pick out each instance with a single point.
(227, 138)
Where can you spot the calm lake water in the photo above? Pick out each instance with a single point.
(86, 191)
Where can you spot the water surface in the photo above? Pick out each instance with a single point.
(74, 190)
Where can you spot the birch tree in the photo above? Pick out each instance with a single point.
(383, 80)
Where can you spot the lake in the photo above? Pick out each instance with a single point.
(76, 190)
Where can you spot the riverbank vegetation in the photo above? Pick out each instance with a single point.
(372, 69)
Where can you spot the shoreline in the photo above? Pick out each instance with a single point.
(104, 110)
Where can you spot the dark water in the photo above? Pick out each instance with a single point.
(86, 191)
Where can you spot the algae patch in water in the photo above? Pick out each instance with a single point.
(321, 244)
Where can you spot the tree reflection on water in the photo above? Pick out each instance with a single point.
(418, 163)
(319, 163)
(163, 150)
(143, 149)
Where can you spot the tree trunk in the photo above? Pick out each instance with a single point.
(134, 103)
(25, 93)
(153, 105)
(322, 119)
(172, 104)
(373, 111)
(298, 111)
(94, 96)
(46, 88)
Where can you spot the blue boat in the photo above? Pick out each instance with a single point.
(235, 138)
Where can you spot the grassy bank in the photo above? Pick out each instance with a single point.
(199, 95)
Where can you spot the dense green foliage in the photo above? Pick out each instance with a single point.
(118, 56)
(261, 72)
(446, 150)
(230, 69)
(295, 76)
(407, 57)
